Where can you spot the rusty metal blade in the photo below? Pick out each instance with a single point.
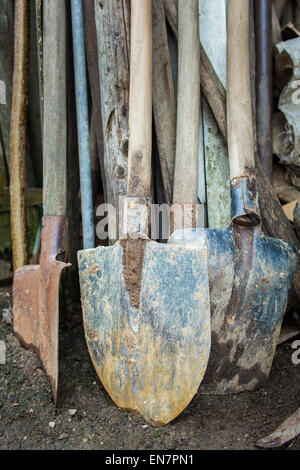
(26, 306)
(151, 358)
(36, 299)
(287, 431)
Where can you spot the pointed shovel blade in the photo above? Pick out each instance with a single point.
(36, 299)
(250, 275)
(151, 359)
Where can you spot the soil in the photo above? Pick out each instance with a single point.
(29, 420)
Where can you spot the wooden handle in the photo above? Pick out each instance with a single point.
(55, 121)
(188, 104)
(211, 87)
(18, 134)
(140, 100)
(239, 112)
(164, 102)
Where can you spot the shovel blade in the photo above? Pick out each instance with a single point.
(36, 299)
(26, 306)
(250, 275)
(151, 359)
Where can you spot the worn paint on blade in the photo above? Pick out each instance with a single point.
(249, 278)
(150, 359)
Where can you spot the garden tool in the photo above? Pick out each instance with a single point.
(274, 222)
(36, 287)
(145, 304)
(249, 274)
(82, 124)
(18, 135)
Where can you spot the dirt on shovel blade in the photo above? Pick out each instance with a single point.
(86, 417)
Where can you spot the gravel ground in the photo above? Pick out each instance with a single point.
(86, 418)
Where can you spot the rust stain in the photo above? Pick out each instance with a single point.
(36, 299)
(133, 256)
(159, 403)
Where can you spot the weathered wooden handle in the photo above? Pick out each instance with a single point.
(164, 102)
(55, 126)
(18, 134)
(239, 111)
(140, 100)
(188, 104)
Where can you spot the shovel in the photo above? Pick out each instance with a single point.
(145, 305)
(36, 287)
(249, 274)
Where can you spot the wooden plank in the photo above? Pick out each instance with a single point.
(212, 89)
(213, 39)
(113, 55)
(55, 120)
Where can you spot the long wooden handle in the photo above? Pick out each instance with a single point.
(239, 112)
(188, 104)
(211, 87)
(55, 122)
(140, 100)
(18, 134)
(164, 102)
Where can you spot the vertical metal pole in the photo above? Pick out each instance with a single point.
(82, 124)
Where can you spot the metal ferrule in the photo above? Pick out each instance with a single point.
(244, 201)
